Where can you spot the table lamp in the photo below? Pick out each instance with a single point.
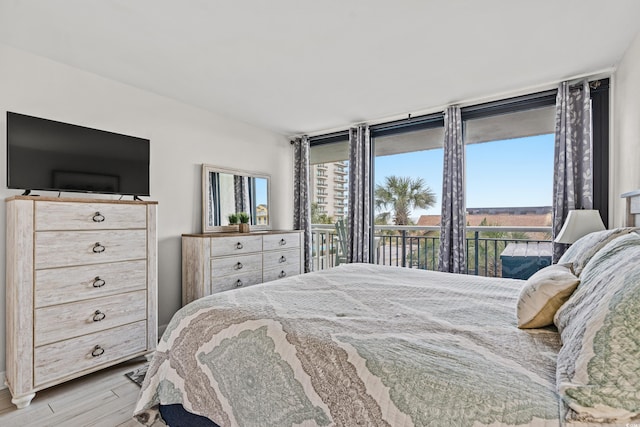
(579, 223)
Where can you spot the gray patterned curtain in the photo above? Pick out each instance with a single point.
(241, 192)
(301, 202)
(359, 212)
(452, 256)
(573, 166)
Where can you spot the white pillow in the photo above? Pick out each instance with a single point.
(543, 294)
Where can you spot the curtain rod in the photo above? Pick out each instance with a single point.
(552, 85)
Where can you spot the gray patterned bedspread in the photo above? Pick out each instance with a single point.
(357, 345)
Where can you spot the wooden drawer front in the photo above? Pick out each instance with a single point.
(236, 281)
(279, 273)
(68, 248)
(281, 241)
(65, 358)
(89, 216)
(65, 321)
(62, 285)
(280, 259)
(225, 266)
(235, 245)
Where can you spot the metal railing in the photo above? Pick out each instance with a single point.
(419, 246)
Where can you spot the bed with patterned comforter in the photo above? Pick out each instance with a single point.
(358, 344)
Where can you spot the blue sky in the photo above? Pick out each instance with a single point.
(515, 172)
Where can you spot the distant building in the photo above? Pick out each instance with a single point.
(329, 188)
(262, 215)
(537, 216)
(521, 210)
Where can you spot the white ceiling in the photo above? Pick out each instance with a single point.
(297, 66)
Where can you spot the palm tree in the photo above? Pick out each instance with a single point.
(402, 195)
(319, 218)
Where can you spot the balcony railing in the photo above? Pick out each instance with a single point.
(419, 246)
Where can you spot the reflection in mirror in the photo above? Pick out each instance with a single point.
(227, 191)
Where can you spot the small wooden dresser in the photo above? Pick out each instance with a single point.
(218, 262)
(81, 288)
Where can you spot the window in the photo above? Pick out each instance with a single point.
(509, 172)
(330, 173)
(509, 186)
(407, 192)
(329, 177)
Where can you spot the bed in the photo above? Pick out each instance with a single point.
(373, 345)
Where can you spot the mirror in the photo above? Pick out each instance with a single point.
(227, 191)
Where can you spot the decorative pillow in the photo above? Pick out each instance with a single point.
(542, 295)
(586, 247)
(598, 367)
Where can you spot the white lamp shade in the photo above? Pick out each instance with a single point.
(579, 223)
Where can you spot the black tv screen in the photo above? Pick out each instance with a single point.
(44, 154)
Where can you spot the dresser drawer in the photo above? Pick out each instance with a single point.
(88, 216)
(225, 266)
(69, 248)
(279, 273)
(68, 284)
(233, 245)
(280, 259)
(70, 320)
(66, 358)
(281, 241)
(236, 281)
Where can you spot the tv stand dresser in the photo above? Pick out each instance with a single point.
(81, 288)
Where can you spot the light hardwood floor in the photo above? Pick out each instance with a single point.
(105, 398)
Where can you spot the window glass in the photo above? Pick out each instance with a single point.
(329, 191)
(329, 176)
(509, 187)
(408, 193)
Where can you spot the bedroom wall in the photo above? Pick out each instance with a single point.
(625, 152)
(182, 138)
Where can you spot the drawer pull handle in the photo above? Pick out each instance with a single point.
(98, 316)
(239, 245)
(98, 217)
(97, 351)
(239, 283)
(283, 242)
(98, 282)
(98, 248)
(282, 274)
(283, 259)
(239, 265)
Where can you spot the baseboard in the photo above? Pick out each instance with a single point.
(3, 384)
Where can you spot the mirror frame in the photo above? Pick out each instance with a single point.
(206, 170)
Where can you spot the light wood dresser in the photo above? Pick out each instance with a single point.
(218, 262)
(81, 288)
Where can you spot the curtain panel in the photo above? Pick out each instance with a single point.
(301, 201)
(573, 165)
(241, 191)
(452, 257)
(359, 211)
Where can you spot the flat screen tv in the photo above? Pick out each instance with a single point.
(44, 154)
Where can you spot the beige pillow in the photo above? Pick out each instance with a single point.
(543, 294)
